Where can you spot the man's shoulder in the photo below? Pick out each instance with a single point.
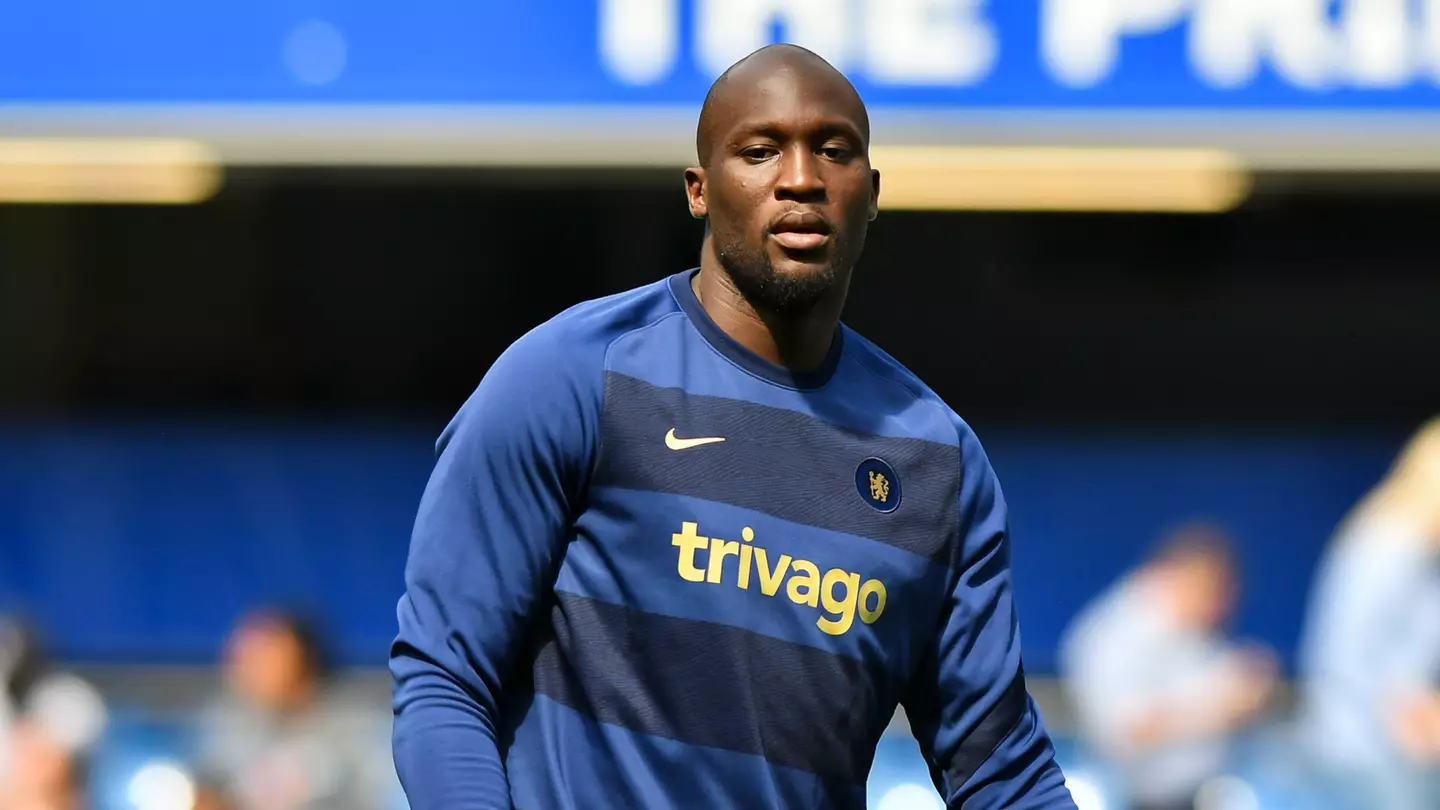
(1112, 617)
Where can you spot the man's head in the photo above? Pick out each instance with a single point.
(274, 660)
(1195, 568)
(784, 179)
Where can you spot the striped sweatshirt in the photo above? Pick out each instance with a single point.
(652, 570)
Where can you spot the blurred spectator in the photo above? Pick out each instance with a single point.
(45, 774)
(1370, 697)
(1158, 688)
(211, 796)
(49, 722)
(281, 738)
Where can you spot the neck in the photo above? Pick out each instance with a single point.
(799, 342)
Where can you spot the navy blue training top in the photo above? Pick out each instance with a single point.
(653, 570)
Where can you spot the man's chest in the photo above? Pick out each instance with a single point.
(724, 510)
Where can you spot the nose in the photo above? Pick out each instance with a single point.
(800, 177)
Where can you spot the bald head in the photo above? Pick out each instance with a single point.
(732, 94)
(784, 182)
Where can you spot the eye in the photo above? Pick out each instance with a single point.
(759, 153)
(836, 152)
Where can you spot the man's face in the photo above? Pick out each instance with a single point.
(266, 664)
(1204, 591)
(788, 191)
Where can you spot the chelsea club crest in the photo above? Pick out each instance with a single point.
(878, 485)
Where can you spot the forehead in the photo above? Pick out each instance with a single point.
(792, 99)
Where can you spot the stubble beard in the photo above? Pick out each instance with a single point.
(769, 290)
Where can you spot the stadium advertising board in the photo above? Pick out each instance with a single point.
(1088, 68)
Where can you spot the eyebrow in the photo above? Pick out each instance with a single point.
(774, 129)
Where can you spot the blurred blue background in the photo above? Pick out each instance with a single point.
(182, 527)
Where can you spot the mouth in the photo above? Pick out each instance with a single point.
(801, 231)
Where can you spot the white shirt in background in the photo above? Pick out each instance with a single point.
(1122, 657)
(1373, 636)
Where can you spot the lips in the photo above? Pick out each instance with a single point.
(800, 231)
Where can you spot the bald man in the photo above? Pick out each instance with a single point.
(689, 546)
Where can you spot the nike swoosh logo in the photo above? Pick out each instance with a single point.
(675, 443)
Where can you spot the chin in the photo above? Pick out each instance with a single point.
(796, 287)
(781, 281)
(817, 265)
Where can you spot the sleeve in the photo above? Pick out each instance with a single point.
(978, 728)
(490, 531)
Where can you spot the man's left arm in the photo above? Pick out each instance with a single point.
(967, 704)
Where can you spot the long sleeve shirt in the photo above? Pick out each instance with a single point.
(653, 570)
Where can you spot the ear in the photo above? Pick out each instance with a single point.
(874, 194)
(695, 192)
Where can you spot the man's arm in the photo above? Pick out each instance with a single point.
(967, 704)
(488, 537)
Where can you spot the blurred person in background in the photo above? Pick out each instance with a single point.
(1158, 687)
(46, 772)
(1370, 668)
(50, 719)
(281, 738)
